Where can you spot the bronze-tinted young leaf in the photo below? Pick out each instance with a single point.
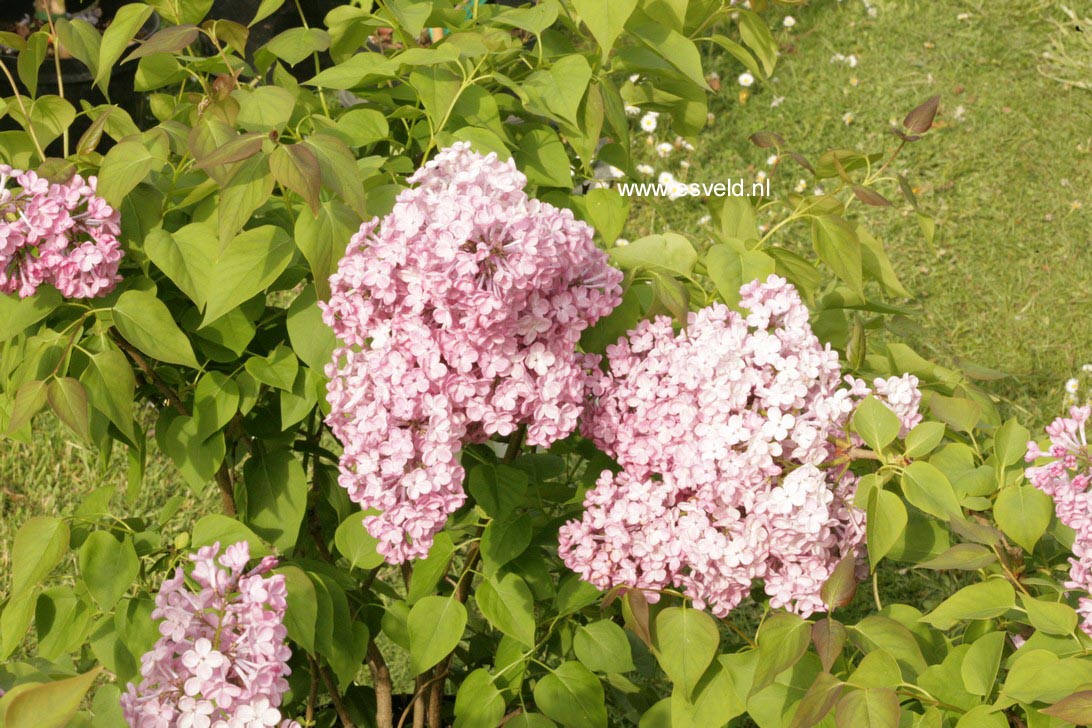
(1075, 708)
(839, 589)
(829, 637)
(801, 160)
(818, 701)
(168, 40)
(904, 136)
(920, 119)
(635, 613)
(767, 139)
(870, 197)
(296, 168)
(235, 150)
(56, 170)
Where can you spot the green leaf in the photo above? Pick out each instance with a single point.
(607, 211)
(1010, 442)
(1023, 513)
(498, 489)
(740, 53)
(49, 705)
(435, 626)
(196, 456)
(323, 240)
(361, 127)
(605, 20)
(542, 157)
(1050, 617)
(782, 640)
(355, 543)
(685, 642)
(837, 245)
(265, 9)
(674, 47)
(111, 387)
(15, 621)
(930, 490)
(146, 323)
(215, 527)
(39, 546)
(29, 400)
(962, 556)
(478, 702)
(756, 34)
(878, 669)
(410, 15)
(924, 438)
(62, 621)
(127, 21)
(245, 267)
(874, 421)
(556, 93)
(80, 39)
(278, 369)
(868, 708)
(296, 44)
(978, 601)
(108, 567)
(301, 617)
(16, 314)
(670, 251)
(169, 40)
(438, 88)
(244, 192)
(503, 540)
(602, 647)
(980, 664)
(428, 572)
(885, 523)
(884, 633)
(30, 60)
(1039, 675)
(960, 414)
(276, 496)
(509, 606)
(572, 696)
(730, 269)
(534, 19)
(215, 402)
(67, 398)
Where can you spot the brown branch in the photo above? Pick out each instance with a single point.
(384, 687)
(335, 696)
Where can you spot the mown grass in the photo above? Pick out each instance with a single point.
(1007, 171)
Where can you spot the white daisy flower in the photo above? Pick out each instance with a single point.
(771, 160)
(789, 21)
(648, 122)
(746, 80)
(664, 149)
(645, 169)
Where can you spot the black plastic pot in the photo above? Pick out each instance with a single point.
(285, 18)
(77, 79)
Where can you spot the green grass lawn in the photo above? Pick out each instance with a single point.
(1007, 172)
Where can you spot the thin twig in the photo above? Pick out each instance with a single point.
(312, 697)
(335, 696)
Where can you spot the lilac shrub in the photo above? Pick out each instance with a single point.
(56, 233)
(221, 661)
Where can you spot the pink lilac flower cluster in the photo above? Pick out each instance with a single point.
(722, 431)
(459, 316)
(62, 234)
(1065, 478)
(222, 661)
